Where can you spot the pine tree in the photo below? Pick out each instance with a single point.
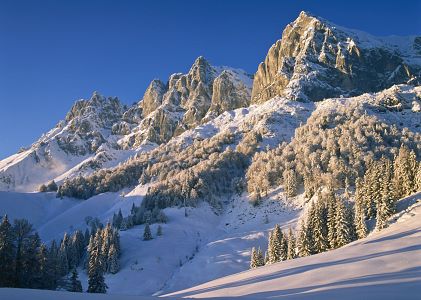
(253, 258)
(7, 253)
(291, 254)
(159, 230)
(304, 240)
(386, 206)
(96, 282)
(319, 227)
(22, 230)
(283, 250)
(404, 171)
(343, 225)
(359, 220)
(75, 285)
(147, 235)
(274, 245)
(331, 221)
(260, 258)
(113, 263)
(290, 183)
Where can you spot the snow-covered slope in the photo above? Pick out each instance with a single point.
(385, 265)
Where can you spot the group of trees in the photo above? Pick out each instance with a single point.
(138, 215)
(26, 262)
(331, 222)
(103, 253)
(333, 148)
(49, 187)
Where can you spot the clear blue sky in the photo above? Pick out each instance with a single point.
(54, 52)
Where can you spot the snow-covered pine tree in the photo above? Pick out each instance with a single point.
(260, 258)
(319, 227)
(253, 258)
(404, 170)
(147, 235)
(113, 263)
(274, 245)
(290, 183)
(386, 207)
(96, 282)
(331, 220)
(75, 285)
(304, 240)
(159, 230)
(7, 253)
(359, 214)
(283, 250)
(343, 225)
(63, 264)
(291, 245)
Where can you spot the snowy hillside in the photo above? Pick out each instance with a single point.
(385, 265)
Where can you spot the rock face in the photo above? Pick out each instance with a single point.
(187, 100)
(316, 59)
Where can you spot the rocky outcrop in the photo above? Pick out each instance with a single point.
(316, 59)
(188, 100)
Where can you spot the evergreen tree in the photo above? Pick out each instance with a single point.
(113, 263)
(147, 235)
(404, 172)
(304, 240)
(291, 254)
(96, 282)
(260, 258)
(7, 253)
(159, 230)
(22, 230)
(343, 225)
(274, 245)
(386, 206)
(290, 183)
(75, 285)
(117, 219)
(44, 278)
(253, 259)
(331, 221)
(359, 217)
(319, 227)
(283, 250)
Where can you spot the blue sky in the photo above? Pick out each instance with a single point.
(55, 52)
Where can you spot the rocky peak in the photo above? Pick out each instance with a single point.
(316, 59)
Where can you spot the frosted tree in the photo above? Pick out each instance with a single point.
(386, 207)
(113, 263)
(404, 172)
(147, 235)
(7, 253)
(283, 250)
(291, 254)
(290, 183)
(318, 222)
(274, 245)
(75, 285)
(343, 225)
(331, 221)
(359, 216)
(304, 240)
(96, 282)
(253, 259)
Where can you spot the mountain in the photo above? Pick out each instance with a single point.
(101, 132)
(216, 158)
(316, 59)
